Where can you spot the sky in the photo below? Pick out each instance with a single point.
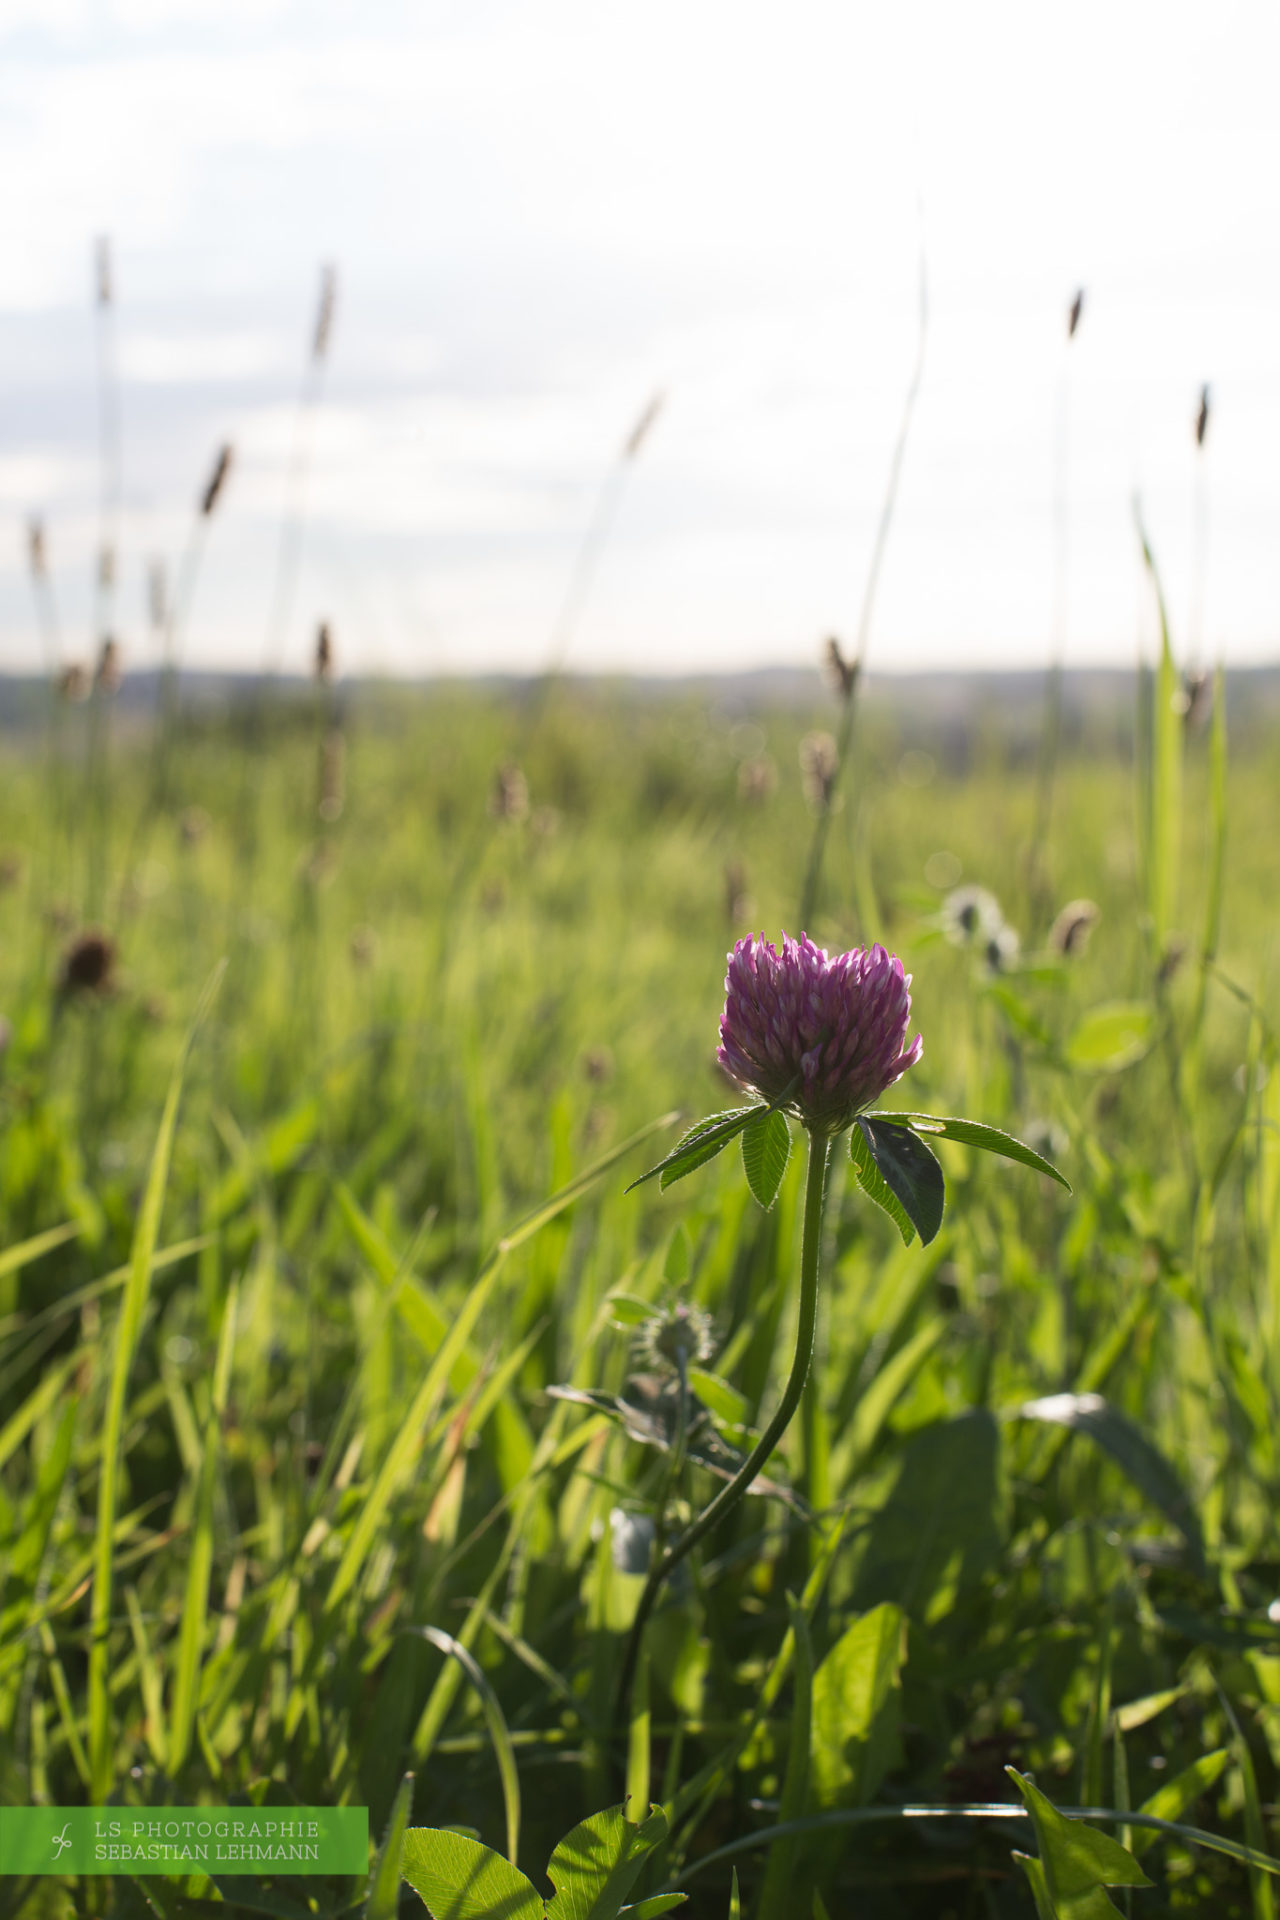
(542, 215)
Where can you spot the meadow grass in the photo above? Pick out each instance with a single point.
(284, 1496)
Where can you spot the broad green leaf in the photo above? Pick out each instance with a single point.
(974, 1133)
(909, 1170)
(701, 1143)
(458, 1879)
(1078, 1860)
(1112, 1036)
(1136, 1456)
(766, 1148)
(384, 1882)
(1171, 1801)
(939, 1530)
(873, 1184)
(595, 1867)
(855, 1716)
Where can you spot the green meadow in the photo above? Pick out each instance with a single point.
(313, 1186)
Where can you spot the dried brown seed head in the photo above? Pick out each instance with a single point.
(1070, 931)
(1073, 315)
(217, 480)
(89, 964)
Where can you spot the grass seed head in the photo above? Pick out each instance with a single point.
(1202, 416)
(644, 425)
(971, 916)
(324, 312)
(193, 826)
(737, 901)
(102, 281)
(324, 653)
(1074, 312)
(157, 595)
(824, 1035)
(109, 671)
(757, 779)
(37, 553)
(73, 683)
(1197, 699)
(88, 965)
(363, 946)
(217, 480)
(1070, 932)
(819, 762)
(509, 799)
(842, 673)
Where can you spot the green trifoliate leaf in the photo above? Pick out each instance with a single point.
(700, 1144)
(595, 1867)
(909, 1170)
(766, 1148)
(458, 1879)
(873, 1184)
(973, 1133)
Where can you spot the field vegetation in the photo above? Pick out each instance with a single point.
(336, 1027)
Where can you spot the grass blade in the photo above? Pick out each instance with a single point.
(128, 1326)
(499, 1733)
(195, 1610)
(384, 1882)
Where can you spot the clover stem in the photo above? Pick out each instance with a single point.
(730, 1495)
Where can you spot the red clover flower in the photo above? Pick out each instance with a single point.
(822, 1036)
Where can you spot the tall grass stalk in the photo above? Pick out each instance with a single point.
(106, 564)
(851, 674)
(604, 513)
(1051, 725)
(297, 475)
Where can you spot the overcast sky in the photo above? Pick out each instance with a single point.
(542, 213)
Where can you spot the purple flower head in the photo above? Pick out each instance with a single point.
(833, 1031)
